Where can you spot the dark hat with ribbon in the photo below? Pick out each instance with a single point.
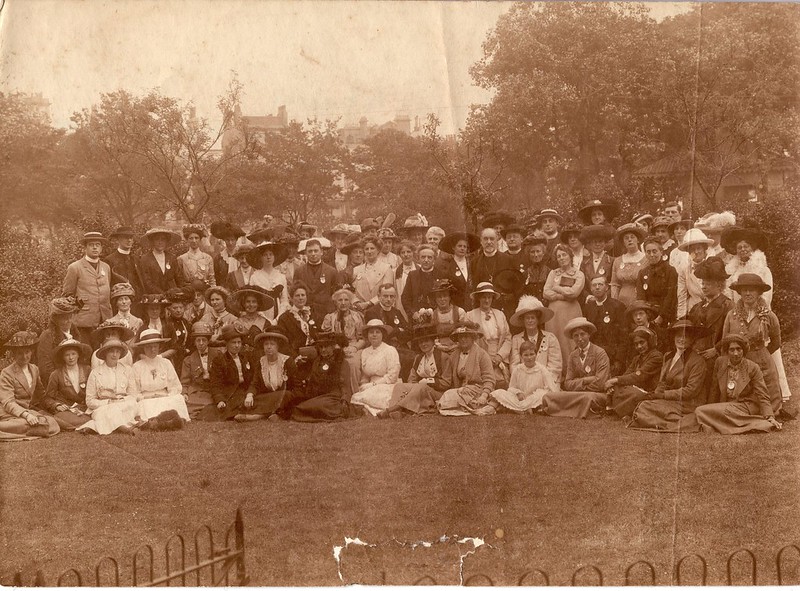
(711, 269)
(751, 281)
(732, 236)
(609, 207)
(448, 243)
(570, 229)
(497, 218)
(225, 230)
(84, 351)
(179, 295)
(122, 232)
(24, 339)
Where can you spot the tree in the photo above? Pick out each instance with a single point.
(153, 149)
(573, 89)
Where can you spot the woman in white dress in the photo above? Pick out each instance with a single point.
(265, 258)
(531, 315)
(494, 327)
(108, 400)
(562, 291)
(380, 369)
(112, 329)
(369, 276)
(530, 381)
(154, 382)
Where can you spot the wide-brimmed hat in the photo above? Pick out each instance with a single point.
(149, 336)
(304, 225)
(65, 305)
(323, 243)
(231, 331)
(217, 289)
(548, 213)
(441, 285)
(340, 229)
(102, 332)
(386, 234)
(636, 306)
(513, 228)
(179, 295)
(609, 207)
(242, 250)
(24, 339)
(716, 221)
(579, 322)
(485, 287)
(466, 327)
(330, 337)
(733, 337)
(689, 327)
(352, 241)
(694, 236)
(631, 228)
(711, 269)
(279, 250)
(194, 229)
(378, 323)
(527, 304)
(570, 229)
(265, 301)
(423, 332)
(270, 332)
(660, 221)
(749, 280)
(604, 232)
(686, 223)
(111, 344)
(201, 329)
(93, 237)
(448, 243)
(84, 350)
(413, 223)
(535, 237)
(173, 238)
(344, 289)
(497, 218)
(154, 298)
(508, 280)
(736, 234)
(370, 225)
(225, 230)
(291, 240)
(198, 286)
(121, 289)
(122, 232)
(640, 218)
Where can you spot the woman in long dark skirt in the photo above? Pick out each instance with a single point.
(273, 375)
(640, 377)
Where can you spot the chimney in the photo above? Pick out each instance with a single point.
(283, 116)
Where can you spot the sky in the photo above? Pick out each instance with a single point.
(321, 59)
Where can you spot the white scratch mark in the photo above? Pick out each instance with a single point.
(476, 543)
(337, 552)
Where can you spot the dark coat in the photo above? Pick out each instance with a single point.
(594, 380)
(153, 280)
(750, 385)
(60, 390)
(290, 327)
(604, 269)
(443, 370)
(126, 266)
(393, 318)
(448, 269)
(225, 377)
(658, 286)
(483, 268)
(192, 372)
(322, 280)
(710, 315)
(416, 292)
(535, 278)
(611, 335)
(683, 382)
(643, 371)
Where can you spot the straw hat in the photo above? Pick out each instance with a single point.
(271, 332)
(194, 229)
(631, 228)
(93, 237)
(609, 207)
(149, 336)
(466, 327)
(84, 350)
(749, 280)
(549, 213)
(642, 218)
(529, 303)
(484, 287)
(338, 230)
(694, 236)
(304, 225)
(448, 243)
(102, 333)
(111, 344)
(24, 339)
(378, 323)
(661, 221)
(265, 301)
(278, 250)
(716, 222)
(413, 223)
(172, 237)
(579, 322)
(201, 329)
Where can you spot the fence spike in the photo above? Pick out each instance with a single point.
(151, 555)
(67, 572)
(702, 562)
(779, 560)
(594, 568)
(649, 566)
(97, 571)
(39, 580)
(475, 576)
(539, 572)
(752, 565)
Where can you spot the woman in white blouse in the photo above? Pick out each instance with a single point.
(271, 377)
(380, 369)
(531, 315)
(494, 327)
(115, 330)
(107, 392)
(371, 274)
(265, 258)
(154, 382)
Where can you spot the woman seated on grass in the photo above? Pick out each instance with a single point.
(296, 323)
(272, 377)
(427, 380)
(155, 383)
(349, 322)
(494, 328)
(112, 330)
(680, 387)
(111, 407)
(472, 377)
(21, 392)
(195, 376)
(640, 377)
(745, 405)
(231, 374)
(445, 315)
(584, 394)
(530, 381)
(65, 397)
(326, 393)
(531, 314)
(380, 369)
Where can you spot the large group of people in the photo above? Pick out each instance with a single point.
(662, 322)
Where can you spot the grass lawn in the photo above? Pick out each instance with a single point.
(546, 493)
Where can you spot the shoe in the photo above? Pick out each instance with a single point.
(384, 414)
(397, 414)
(274, 418)
(125, 430)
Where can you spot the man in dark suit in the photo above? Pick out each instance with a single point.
(123, 263)
(416, 293)
(608, 316)
(322, 280)
(385, 311)
(225, 261)
(598, 261)
(488, 261)
(157, 268)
